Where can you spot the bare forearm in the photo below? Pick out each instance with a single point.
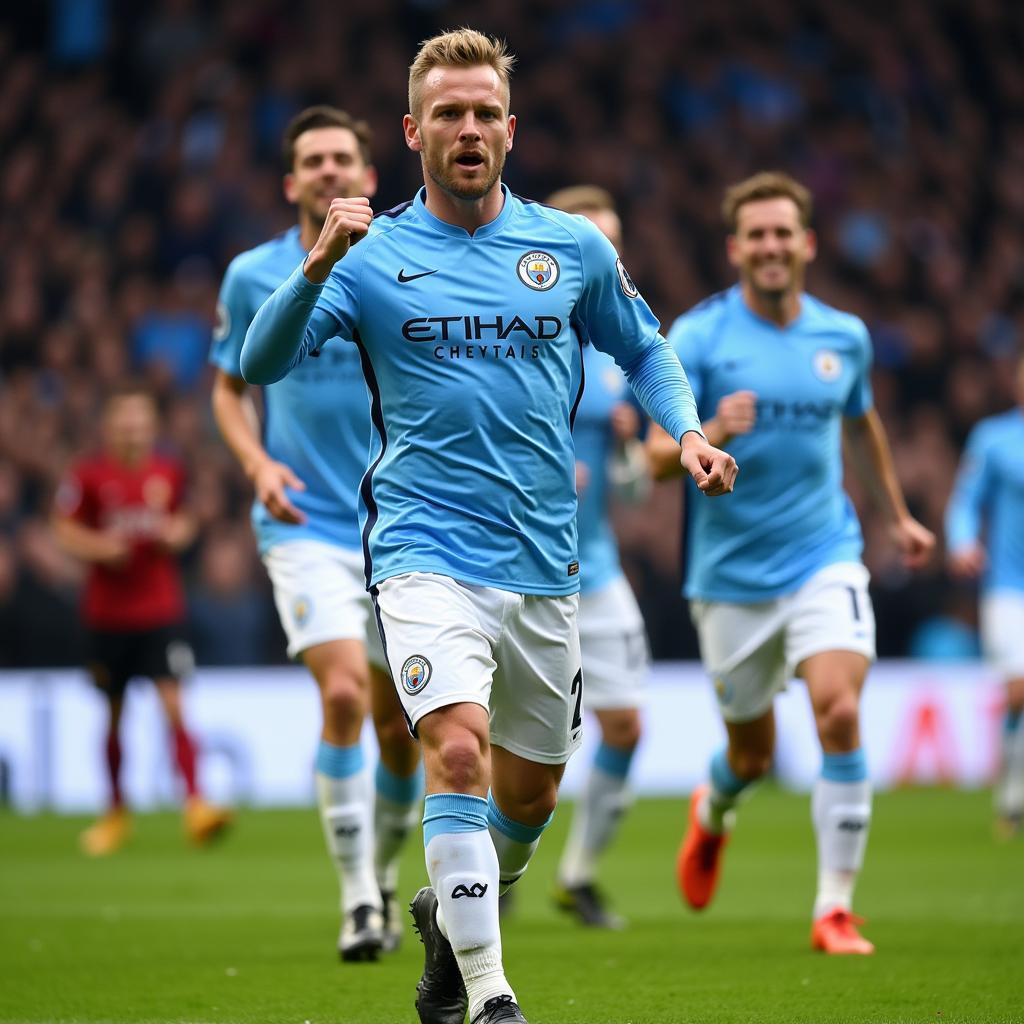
(82, 542)
(236, 420)
(872, 458)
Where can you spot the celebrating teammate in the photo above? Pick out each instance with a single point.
(989, 499)
(468, 307)
(306, 473)
(609, 457)
(121, 512)
(774, 577)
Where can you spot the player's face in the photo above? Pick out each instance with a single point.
(464, 130)
(130, 427)
(609, 224)
(771, 247)
(328, 165)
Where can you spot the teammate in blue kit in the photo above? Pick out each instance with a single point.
(469, 307)
(306, 471)
(985, 539)
(774, 577)
(609, 459)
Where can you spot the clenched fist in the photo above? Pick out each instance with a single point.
(347, 220)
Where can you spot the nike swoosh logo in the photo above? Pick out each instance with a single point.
(403, 278)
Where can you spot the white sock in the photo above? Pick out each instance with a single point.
(595, 820)
(463, 870)
(1009, 793)
(842, 815)
(396, 812)
(345, 815)
(514, 843)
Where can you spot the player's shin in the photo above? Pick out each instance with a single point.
(463, 870)
(342, 790)
(513, 841)
(722, 795)
(841, 810)
(597, 815)
(1009, 795)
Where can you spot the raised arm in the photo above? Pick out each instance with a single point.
(291, 324)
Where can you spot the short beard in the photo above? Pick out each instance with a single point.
(468, 193)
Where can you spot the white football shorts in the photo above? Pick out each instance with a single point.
(614, 646)
(1001, 615)
(752, 650)
(320, 593)
(517, 655)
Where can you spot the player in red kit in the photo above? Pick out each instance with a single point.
(121, 512)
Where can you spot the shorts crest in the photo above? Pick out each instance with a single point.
(415, 674)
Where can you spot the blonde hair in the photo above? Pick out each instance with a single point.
(582, 199)
(459, 48)
(767, 185)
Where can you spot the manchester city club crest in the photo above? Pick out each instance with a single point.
(302, 608)
(415, 674)
(538, 270)
(827, 365)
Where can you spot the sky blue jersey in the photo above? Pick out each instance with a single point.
(789, 516)
(468, 345)
(595, 448)
(989, 497)
(317, 421)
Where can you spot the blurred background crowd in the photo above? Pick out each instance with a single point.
(139, 152)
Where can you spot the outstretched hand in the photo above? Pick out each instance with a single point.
(713, 471)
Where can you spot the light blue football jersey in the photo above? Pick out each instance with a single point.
(595, 447)
(468, 344)
(989, 497)
(317, 420)
(789, 516)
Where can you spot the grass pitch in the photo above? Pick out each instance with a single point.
(245, 932)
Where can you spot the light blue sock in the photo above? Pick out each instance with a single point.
(513, 841)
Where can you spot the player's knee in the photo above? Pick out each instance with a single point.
(838, 721)
(534, 806)
(344, 698)
(459, 759)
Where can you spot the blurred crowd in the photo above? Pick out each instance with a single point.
(139, 152)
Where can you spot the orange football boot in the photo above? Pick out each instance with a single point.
(107, 835)
(700, 857)
(836, 932)
(203, 821)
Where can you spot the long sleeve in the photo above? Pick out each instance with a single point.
(967, 503)
(659, 382)
(286, 328)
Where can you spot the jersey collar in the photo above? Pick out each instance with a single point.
(453, 230)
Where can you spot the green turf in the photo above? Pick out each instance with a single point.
(245, 932)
